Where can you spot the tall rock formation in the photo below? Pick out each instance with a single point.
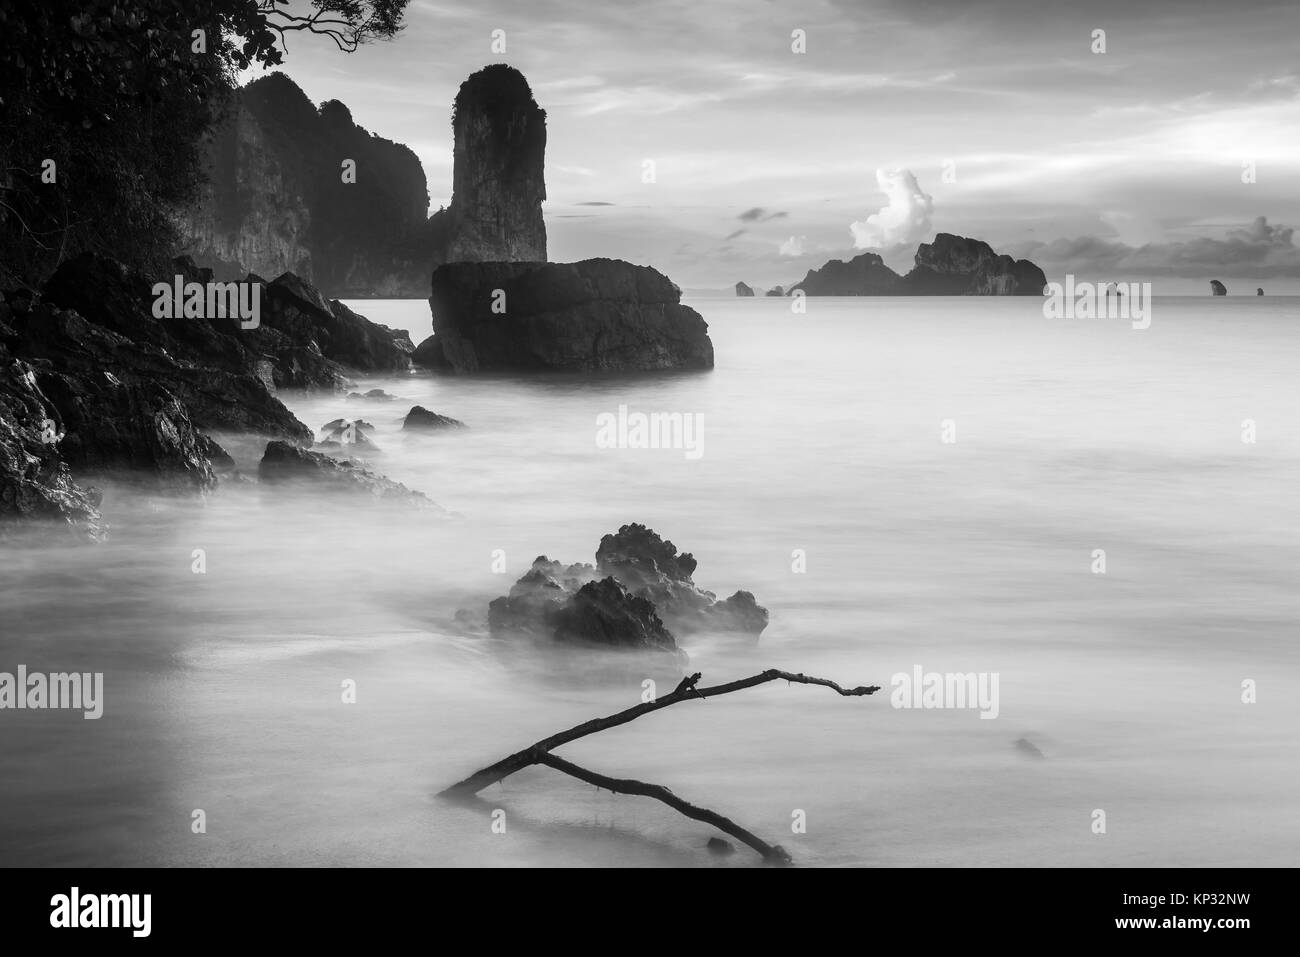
(498, 179)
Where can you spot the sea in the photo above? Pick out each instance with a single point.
(1098, 521)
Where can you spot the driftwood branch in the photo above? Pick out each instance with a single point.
(773, 854)
(540, 753)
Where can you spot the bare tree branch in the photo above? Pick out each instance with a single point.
(773, 854)
(540, 753)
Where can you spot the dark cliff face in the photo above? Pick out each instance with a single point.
(276, 201)
(498, 179)
(957, 266)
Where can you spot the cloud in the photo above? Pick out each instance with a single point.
(1258, 250)
(794, 246)
(904, 221)
(759, 214)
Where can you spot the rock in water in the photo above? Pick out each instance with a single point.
(598, 315)
(605, 613)
(284, 463)
(775, 291)
(717, 845)
(743, 290)
(957, 266)
(1217, 288)
(420, 419)
(497, 177)
(1259, 291)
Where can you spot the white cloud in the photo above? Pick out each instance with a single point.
(906, 218)
(794, 246)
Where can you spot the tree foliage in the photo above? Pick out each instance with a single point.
(118, 95)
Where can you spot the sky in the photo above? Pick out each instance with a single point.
(1171, 151)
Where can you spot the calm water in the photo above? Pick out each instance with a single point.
(821, 433)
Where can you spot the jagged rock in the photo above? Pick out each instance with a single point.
(537, 597)
(743, 290)
(864, 275)
(283, 463)
(37, 493)
(604, 613)
(775, 291)
(421, 419)
(645, 567)
(1217, 288)
(298, 309)
(957, 266)
(651, 567)
(498, 182)
(589, 316)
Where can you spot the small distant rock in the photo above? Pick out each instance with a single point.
(374, 395)
(353, 433)
(1217, 288)
(717, 845)
(421, 419)
(743, 290)
(775, 291)
(1259, 291)
(1029, 749)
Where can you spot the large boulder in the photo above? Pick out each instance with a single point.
(605, 613)
(537, 598)
(598, 315)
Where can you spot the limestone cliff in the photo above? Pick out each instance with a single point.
(498, 179)
(277, 201)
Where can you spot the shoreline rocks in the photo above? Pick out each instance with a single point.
(284, 464)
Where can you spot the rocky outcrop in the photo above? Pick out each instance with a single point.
(652, 568)
(420, 419)
(285, 464)
(864, 275)
(38, 496)
(498, 181)
(639, 595)
(957, 266)
(276, 200)
(743, 290)
(1217, 288)
(598, 315)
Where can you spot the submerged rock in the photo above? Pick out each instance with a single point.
(1217, 288)
(420, 419)
(591, 316)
